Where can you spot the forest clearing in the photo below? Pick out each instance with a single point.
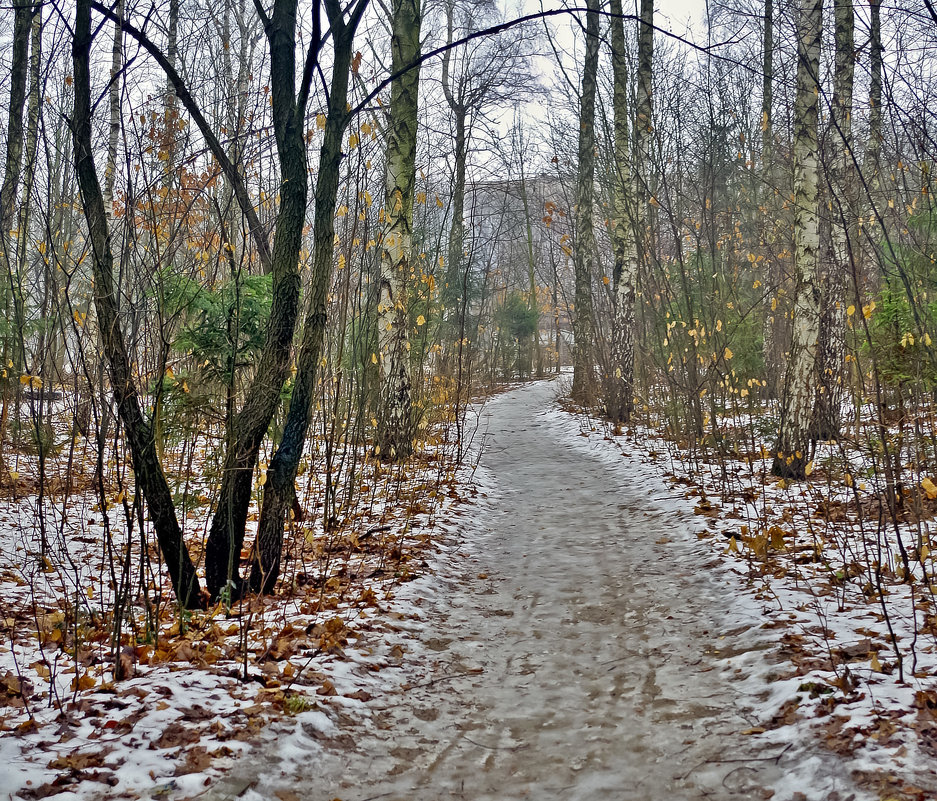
(468, 400)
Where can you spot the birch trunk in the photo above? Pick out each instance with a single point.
(791, 453)
(620, 403)
(583, 390)
(394, 435)
(828, 410)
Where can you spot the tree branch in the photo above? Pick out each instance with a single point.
(214, 145)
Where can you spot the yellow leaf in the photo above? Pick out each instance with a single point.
(438, 201)
(605, 280)
(84, 682)
(808, 469)
(875, 664)
(728, 354)
(867, 310)
(373, 358)
(421, 320)
(851, 310)
(929, 487)
(320, 121)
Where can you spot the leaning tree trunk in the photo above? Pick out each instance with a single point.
(226, 534)
(394, 433)
(620, 404)
(583, 389)
(791, 453)
(279, 488)
(832, 346)
(146, 465)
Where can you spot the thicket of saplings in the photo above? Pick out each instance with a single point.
(714, 329)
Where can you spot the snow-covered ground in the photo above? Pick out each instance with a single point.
(568, 620)
(828, 589)
(577, 641)
(316, 652)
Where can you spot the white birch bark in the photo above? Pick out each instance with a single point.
(625, 210)
(394, 436)
(792, 451)
(828, 411)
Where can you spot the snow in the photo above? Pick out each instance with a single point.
(787, 597)
(576, 640)
(578, 626)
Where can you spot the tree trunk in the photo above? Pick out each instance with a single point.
(146, 464)
(281, 472)
(19, 70)
(452, 299)
(533, 306)
(394, 435)
(832, 347)
(226, 534)
(791, 454)
(874, 146)
(456, 244)
(620, 404)
(774, 327)
(583, 389)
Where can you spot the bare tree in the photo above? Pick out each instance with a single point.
(583, 389)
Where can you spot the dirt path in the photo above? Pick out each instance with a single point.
(578, 657)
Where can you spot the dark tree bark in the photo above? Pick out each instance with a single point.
(226, 534)
(146, 464)
(281, 472)
(13, 170)
(583, 390)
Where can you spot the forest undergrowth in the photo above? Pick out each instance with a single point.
(843, 579)
(109, 689)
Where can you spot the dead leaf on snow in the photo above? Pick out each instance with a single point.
(175, 734)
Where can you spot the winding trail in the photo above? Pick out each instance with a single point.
(591, 650)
